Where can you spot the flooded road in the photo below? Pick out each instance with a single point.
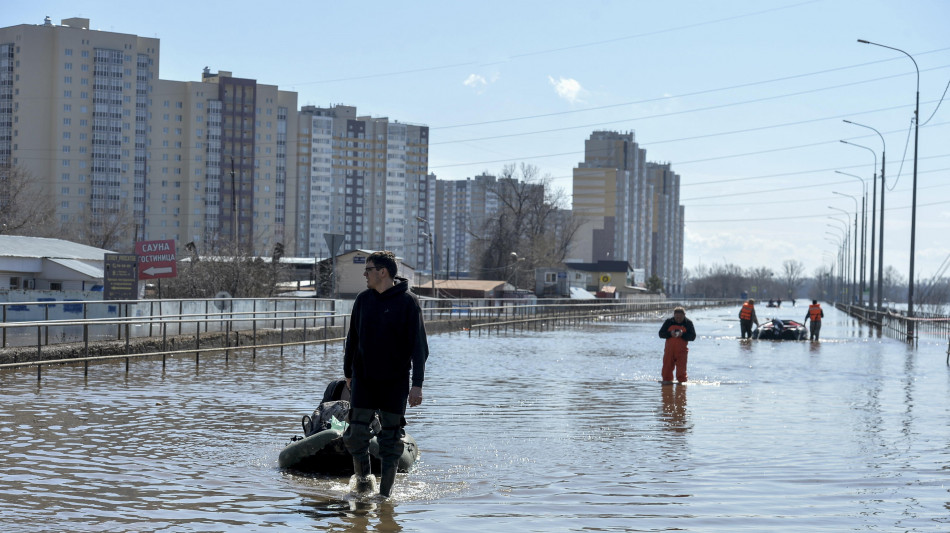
(562, 430)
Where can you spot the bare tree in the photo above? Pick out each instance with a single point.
(531, 228)
(236, 272)
(761, 281)
(895, 285)
(110, 230)
(792, 276)
(822, 287)
(24, 209)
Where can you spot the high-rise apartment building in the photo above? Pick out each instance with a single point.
(463, 208)
(628, 208)
(612, 201)
(365, 178)
(219, 161)
(218, 168)
(666, 256)
(74, 113)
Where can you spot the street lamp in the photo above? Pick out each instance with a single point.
(880, 253)
(842, 261)
(854, 262)
(861, 277)
(864, 236)
(913, 205)
(428, 234)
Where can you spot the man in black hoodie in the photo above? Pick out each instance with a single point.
(387, 339)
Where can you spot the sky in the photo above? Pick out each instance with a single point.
(746, 100)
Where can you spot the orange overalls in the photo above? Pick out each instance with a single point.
(674, 354)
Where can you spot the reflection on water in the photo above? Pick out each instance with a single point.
(353, 514)
(544, 431)
(674, 407)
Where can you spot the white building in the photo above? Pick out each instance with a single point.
(40, 264)
(365, 178)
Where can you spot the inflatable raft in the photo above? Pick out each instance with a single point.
(321, 449)
(324, 453)
(781, 330)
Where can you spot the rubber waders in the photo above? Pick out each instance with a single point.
(387, 479)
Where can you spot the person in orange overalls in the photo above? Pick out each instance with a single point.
(747, 317)
(678, 332)
(815, 314)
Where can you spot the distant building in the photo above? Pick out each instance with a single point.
(593, 277)
(628, 209)
(74, 111)
(218, 166)
(367, 179)
(463, 207)
(666, 254)
(39, 264)
(218, 161)
(349, 274)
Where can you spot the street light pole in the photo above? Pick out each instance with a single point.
(864, 238)
(880, 253)
(854, 263)
(861, 277)
(431, 253)
(911, 335)
(842, 266)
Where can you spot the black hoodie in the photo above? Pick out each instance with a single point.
(387, 336)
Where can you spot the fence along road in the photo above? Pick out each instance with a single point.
(249, 325)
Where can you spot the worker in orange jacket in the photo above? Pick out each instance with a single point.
(678, 332)
(747, 317)
(815, 314)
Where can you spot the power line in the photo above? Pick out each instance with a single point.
(695, 93)
(800, 217)
(684, 112)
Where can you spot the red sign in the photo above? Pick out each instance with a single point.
(156, 259)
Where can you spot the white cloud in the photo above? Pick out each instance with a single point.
(476, 82)
(567, 88)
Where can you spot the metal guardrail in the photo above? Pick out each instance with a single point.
(309, 322)
(900, 326)
(60, 320)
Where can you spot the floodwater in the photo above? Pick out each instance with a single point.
(563, 430)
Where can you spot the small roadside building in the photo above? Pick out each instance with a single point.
(42, 264)
(607, 279)
(349, 274)
(465, 288)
